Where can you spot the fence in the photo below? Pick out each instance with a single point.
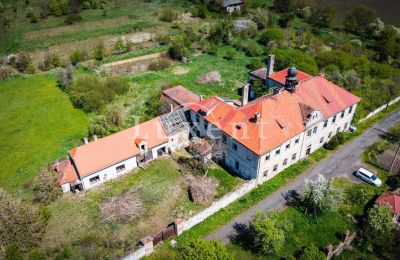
(379, 109)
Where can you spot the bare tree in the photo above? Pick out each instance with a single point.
(125, 207)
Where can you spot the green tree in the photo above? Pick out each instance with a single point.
(282, 6)
(119, 46)
(58, 7)
(179, 47)
(359, 19)
(45, 186)
(322, 17)
(12, 252)
(221, 32)
(268, 234)
(200, 249)
(311, 252)
(393, 182)
(271, 35)
(99, 51)
(20, 223)
(388, 45)
(379, 225)
(260, 17)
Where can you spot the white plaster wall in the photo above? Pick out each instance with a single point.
(248, 161)
(109, 173)
(179, 140)
(66, 187)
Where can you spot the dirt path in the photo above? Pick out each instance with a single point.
(136, 59)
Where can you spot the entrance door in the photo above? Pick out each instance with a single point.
(308, 151)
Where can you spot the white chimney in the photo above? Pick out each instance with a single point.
(94, 137)
(171, 107)
(86, 140)
(270, 65)
(245, 94)
(256, 116)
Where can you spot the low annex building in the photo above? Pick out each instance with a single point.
(109, 157)
(267, 135)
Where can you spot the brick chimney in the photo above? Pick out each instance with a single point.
(270, 62)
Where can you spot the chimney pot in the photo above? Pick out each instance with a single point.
(94, 137)
(86, 140)
(245, 94)
(256, 116)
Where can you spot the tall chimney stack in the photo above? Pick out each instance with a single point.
(86, 140)
(245, 94)
(270, 62)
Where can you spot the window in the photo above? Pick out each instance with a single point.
(284, 162)
(275, 167)
(315, 130)
(197, 118)
(345, 126)
(237, 165)
(94, 179)
(330, 135)
(278, 151)
(294, 156)
(265, 173)
(234, 146)
(309, 132)
(120, 168)
(334, 119)
(326, 123)
(321, 140)
(342, 115)
(267, 157)
(288, 146)
(205, 124)
(350, 109)
(297, 140)
(224, 138)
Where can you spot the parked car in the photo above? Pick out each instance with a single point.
(369, 177)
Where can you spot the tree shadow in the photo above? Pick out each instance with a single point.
(243, 236)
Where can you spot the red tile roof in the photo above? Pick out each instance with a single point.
(281, 116)
(104, 152)
(181, 95)
(279, 76)
(65, 172)
(391, 199)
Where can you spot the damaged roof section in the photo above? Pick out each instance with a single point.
(174, 122)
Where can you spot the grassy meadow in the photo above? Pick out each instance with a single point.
(38, 125)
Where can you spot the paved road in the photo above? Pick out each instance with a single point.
(342, 163)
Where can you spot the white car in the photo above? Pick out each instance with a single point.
(369, 177)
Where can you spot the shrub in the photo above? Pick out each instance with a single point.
(359, 19)
(230, 54)
(393, 182)
(202, 250)
(20, 223)
(252, 49)
(12, 252)
(65, 76)
(37, 254)
(311, 252)
(335, 141)
(7, 72)
(58, 7)
(179, 48)
(20, 61)
(34, 18)
(99, 51)
(119, 46)
(86, 5)
(282, 6)
(1, 7)
(78, 56)
(73, 18)
(100, 126)
(221, 32)
(160, 64)
(200, 11)
(271, 35)
(260, 17)
(288, 57)
(322, 17)
(92, 93)
(51, 61)
(168, 15)
(45, 186)
(211, 49)
(255, 64)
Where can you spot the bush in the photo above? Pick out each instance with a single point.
(20, 223)
(7, 72)
(359, 19)
(168, 15)
(393, 182)
(200, 11)
(12, 252)
(34, 18)
(179, 48)
(311, 252)
(51, 61)
(78, 56)
(37, 254)
(45, 186)
(160, 64)
(86, 5)
(289, 57)
(335, 141)
(211, 49)
(99, 51)
(92, 93)
(271, 35)
(255, 64)
(21, 61)
(252, 49)
(65, 77)
(203, 250)
(58, 7)
(230, 54)
(260, 17)
(119, 46)
(73, 18)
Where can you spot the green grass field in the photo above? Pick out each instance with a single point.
(38, 124)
